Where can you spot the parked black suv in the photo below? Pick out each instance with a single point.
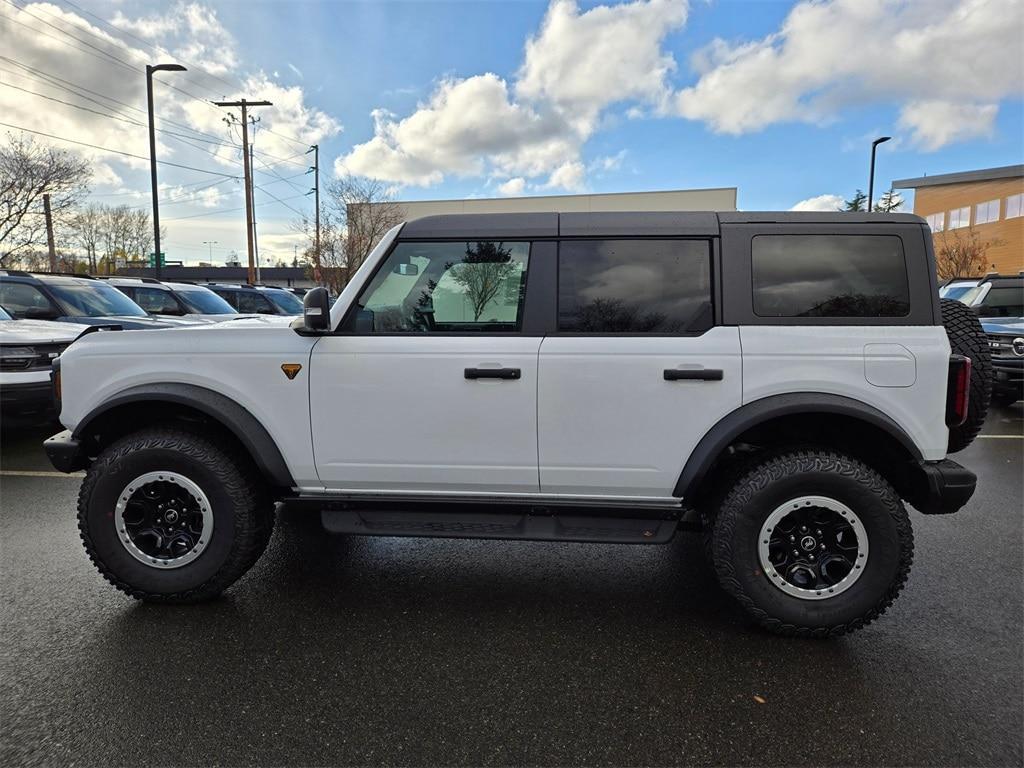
(73, 299)
(258, 299)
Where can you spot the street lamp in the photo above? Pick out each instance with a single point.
(150, 69)
(211, 243)
(871, 179)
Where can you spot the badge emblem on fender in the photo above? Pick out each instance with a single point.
(291, 370)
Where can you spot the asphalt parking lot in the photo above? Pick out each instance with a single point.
(344, 651)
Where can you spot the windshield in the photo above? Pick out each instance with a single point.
(94, 300)
(970, 295)
(286, 301)
(956, 291)
(204, 301)
(4, 315)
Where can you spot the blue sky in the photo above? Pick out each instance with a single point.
(442, 100)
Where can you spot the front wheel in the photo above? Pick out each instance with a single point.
(812, 543)
(173, 516)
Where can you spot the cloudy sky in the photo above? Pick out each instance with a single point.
(457, 99)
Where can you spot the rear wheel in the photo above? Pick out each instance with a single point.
(812, 543)
(173, 516)
(967, 338)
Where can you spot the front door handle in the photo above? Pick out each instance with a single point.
(693, 374)
(493, 373)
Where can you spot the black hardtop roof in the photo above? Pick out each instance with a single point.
(45, 276)
(622, 223)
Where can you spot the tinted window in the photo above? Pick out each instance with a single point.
(231, 297)
(254, 303)
(634, 286)
(20, 297)
(204, 301)
(829, 276)
(446, 287)
(94, 299)
(286, 301)
(1003, 301)
(157, 301)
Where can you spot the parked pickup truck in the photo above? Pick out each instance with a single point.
(783, 382)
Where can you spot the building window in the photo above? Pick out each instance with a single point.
(1014, 205)
(960, 217)
(936, 221)
(986, 212)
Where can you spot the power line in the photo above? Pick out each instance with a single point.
(239, 208)
(118, 151)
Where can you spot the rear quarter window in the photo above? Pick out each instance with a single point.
(829, 276)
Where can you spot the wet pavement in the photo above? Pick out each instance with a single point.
(352, 651)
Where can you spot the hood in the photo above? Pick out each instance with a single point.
(129, 322)
(1008, 325)
(252, 321)
(38, 332)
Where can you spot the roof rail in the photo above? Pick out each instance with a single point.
(33, 272)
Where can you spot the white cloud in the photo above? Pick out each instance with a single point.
(607, 163)
(148, 26)
(934, 124)
(513, 187)
(831, 55)
(575, 67)
(820, 203)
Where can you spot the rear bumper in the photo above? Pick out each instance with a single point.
(942, 487)
(65, 452)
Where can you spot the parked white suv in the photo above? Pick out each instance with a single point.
(27, 348)
(782, 381)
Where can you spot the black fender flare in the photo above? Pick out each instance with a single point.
(720, 436)
(235, 418)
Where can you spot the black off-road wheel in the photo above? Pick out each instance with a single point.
(173, 516)
(967, 338)
(812, 543)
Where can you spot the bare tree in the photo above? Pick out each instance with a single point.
(482, 273)
(87, 231)
(28, 171)
(959, 255)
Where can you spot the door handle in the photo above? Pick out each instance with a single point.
(693, 374)
(493, 373)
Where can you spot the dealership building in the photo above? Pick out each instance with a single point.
(987, 202)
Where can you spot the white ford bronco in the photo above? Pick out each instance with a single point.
(781, 382)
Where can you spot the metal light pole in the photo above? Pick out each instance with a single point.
(211, 243)
(150, 69)
(871, 179)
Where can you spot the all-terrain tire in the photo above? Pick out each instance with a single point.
(967, 338)
(775, 481)
(243, 514)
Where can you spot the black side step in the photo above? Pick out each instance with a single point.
(490, 525)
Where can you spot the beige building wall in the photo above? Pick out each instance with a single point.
(1006, 254)
(723, 199)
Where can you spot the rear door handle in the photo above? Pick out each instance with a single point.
(493, 373)
(693, 374)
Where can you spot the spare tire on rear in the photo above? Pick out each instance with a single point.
(967, 338)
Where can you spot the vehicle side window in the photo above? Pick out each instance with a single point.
(634, 286)
(231, 297)
(471, 287)
(829, 276)
(18, 298)
(157, 302)
(252, 303)
(1003, 301)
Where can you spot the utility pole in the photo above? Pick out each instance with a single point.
(211, 243)
(245, 104)
(252, 184)
(315, 149)
(49, 232)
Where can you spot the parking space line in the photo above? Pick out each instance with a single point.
(32, 473)
(1001, 437)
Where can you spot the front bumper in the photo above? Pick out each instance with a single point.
(28, 397)
(65, 452)
(1008, 374)
(941, 487)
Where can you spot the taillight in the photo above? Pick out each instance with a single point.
(958, 390)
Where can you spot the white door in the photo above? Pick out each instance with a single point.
(636, 375)
(432, 389)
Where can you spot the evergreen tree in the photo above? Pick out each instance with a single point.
(890, 203)
(857, 203)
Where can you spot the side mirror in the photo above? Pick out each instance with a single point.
(41, 313)
(316, 310)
